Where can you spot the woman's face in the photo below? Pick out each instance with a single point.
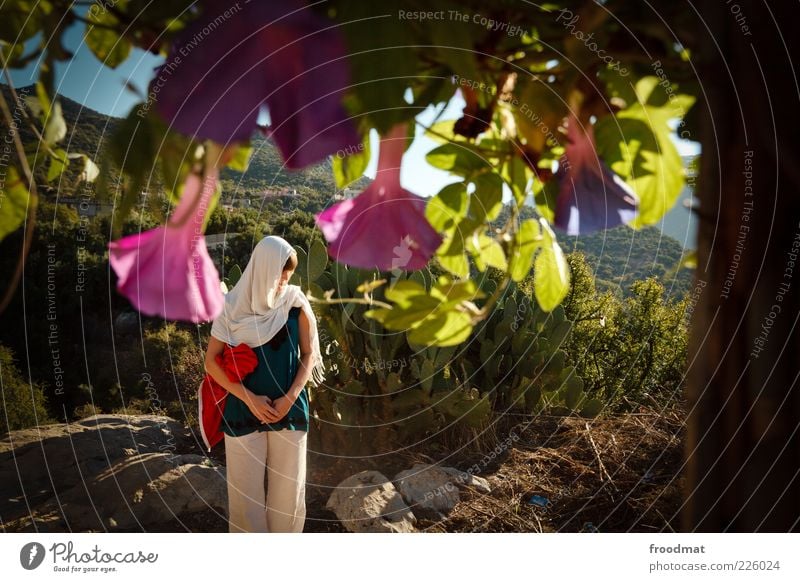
(283, 281)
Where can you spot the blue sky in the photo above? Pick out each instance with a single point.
(84, 79)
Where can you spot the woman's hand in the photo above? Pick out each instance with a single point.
(280, 407)
(260, 406)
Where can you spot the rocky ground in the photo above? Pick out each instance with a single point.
(149, 473)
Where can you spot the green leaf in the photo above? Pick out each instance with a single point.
(39, 104)
(637, 145)
(452, 258)
(234, 274)
(426, 373)
(454, 46)
(402, 317)
(539, 112)
(573, 391)
(241, 158)
(526, 241)
(487, 200)
(448, 207)
(551, 271)
(457, 159)
(349, 167)
(442, 132)
(517, 175)
(317, 260)
(487, 252)
(452, 293)
(109, 48)
(14, 203)
(382, 61)
(688, 260)
(446, 329)
(433, 319)
(58, 163)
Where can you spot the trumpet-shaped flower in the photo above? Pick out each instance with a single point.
(591, 196)
(167, 271)
(234, 59)
(384, 227)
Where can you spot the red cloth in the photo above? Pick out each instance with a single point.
(237, 363)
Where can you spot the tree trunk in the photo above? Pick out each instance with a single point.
(743, 437)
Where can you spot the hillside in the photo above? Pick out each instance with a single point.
(89, 132)
(622, 255)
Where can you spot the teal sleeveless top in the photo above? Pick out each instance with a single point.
(278, 362)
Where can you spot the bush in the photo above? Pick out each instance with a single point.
(627, 351)
(22, 404)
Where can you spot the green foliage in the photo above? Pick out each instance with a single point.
(349, 168)
(636, 144)
(22, 404)
(620, 256)
(14, 203)
(628, 351)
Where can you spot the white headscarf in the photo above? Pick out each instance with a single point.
(253, 313)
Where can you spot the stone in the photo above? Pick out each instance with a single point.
(428, 489)
(468, 479)
(369, 502)
(105, 472)
(142, 492)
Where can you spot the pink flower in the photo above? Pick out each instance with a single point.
(591, 196)
(384, 227)
(237, 57)
(167, 271)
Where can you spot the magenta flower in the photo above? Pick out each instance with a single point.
(235, 58)
(591, 196)
(384, 227)
(166, 271)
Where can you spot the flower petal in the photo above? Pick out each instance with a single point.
(167, 271)
(591, 196)
(235, 58)
(380, 231)
(384, 227)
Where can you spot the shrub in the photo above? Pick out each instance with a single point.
(22, 404)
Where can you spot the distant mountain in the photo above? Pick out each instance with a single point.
(88, 132)
(622, 255)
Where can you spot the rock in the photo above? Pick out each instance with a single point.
(106, 455)
(142, 492)
(463, 478)
(368, 502)
(429, 490)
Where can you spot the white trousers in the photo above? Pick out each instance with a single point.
(283, 454)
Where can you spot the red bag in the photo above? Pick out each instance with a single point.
(237, 363)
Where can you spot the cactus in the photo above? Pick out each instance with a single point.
(513, 360)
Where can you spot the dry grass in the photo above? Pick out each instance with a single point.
(615, 474)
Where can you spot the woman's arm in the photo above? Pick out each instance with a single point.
(304, 370)
(258, 405)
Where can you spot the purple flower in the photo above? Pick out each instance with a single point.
(167, 271)
(591, 196)
(236, 57)
(384, 227)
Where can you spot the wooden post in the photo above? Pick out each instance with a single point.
(743, 392)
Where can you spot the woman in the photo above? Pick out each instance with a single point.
(265, 419)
